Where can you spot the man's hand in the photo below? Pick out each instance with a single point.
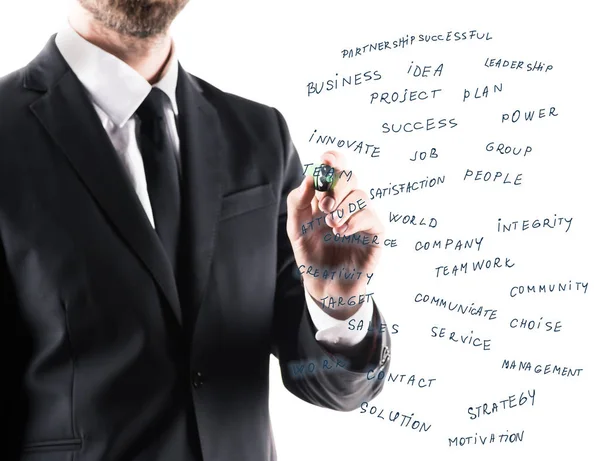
(314, 248)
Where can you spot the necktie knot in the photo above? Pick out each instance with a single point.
(153, 106)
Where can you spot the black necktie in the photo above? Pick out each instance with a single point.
(160, 167)
(162, 179)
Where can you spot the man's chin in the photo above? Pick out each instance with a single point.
(136, 19)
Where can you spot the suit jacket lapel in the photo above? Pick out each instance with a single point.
(201, 141)
(69, 117)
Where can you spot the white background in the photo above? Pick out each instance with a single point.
(268, 51)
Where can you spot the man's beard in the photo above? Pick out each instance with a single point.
(135, 18)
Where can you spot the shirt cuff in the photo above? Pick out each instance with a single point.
(335, 332)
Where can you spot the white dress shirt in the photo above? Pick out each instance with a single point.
(116, 91)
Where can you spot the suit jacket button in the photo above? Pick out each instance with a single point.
(197, 380)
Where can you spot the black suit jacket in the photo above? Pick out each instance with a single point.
(98, 361)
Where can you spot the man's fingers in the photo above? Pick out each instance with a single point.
(332, 200)
(365, 221)
(354, 212)
(329, 200)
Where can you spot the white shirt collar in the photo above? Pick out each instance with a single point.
(112, 84)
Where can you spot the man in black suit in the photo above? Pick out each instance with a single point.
(152, 228)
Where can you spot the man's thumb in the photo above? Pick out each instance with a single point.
(299, 205)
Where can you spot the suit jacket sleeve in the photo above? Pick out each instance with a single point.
(344, 386)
